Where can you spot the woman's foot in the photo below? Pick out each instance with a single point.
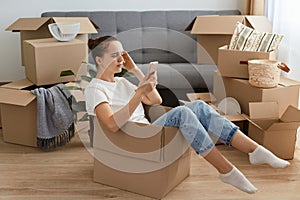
(238, 180)
(262, 155)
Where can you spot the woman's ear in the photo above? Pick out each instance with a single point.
(98, 60)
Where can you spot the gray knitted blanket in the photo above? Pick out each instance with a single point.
(55, 118)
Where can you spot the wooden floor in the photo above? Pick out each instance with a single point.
(27, 173)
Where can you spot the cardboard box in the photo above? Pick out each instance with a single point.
(234, 63)
(285, 94)
(215, 31)
(275, 132)
(37, 28)
(145, 159)
(0, 118)
(46, 58)
(1, 83)
(204, 96)
(18, 111)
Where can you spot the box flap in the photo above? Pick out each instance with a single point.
(20, 84)
(12, 94)
(214, 24)
(260, 23)
(16, 97)
(32, 24)
(235, 118)
(27, 24)
(283, 126)
(263, 110)
(292, 114)
(205, 96)
(86, 25)
(284, 81)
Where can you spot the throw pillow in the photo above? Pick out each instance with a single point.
(247, 39)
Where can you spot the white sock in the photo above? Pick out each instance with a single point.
(238, 180)
(263, 156)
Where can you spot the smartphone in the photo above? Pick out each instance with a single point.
(153, 67)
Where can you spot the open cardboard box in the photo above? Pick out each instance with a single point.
(215, 31)
(145, 159)
(37, 28)
(46, 58)
(234, 63)
(285, 94)
(18, 111)
(275, 132)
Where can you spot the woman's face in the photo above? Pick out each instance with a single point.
(112, 59)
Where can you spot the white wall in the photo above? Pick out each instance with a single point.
(10, 10)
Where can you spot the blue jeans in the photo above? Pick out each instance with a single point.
(196, 120)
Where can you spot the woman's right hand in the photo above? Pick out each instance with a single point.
(148, 84)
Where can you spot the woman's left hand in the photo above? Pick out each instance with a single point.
(129, 63)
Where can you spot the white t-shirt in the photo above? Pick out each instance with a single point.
(117, 94)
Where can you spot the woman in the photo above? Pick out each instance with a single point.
(115, 101)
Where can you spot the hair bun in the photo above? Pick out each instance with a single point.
(91, 43)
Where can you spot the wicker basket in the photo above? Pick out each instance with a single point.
(265, 73)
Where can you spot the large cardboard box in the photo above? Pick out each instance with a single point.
(37, 28)
(215, 31)
(275, 132)
(285, 94)
(234, 63)
(46, 58)
(145, 159)
(18, 111)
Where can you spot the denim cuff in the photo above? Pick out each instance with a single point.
(231, 134)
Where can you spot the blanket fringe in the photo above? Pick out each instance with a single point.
(57, 141)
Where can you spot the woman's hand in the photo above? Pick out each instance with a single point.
(129, 63)
(147, 84)
(150, 77)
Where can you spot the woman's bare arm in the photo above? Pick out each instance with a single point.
(151, 98)
(114, 121)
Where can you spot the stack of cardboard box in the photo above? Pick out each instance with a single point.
(272, 113)
(44, 58)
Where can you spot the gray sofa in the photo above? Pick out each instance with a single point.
(158, 35)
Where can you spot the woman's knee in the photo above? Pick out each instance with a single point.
(196, 104)
(182, 110)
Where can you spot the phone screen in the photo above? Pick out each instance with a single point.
(153, 66)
